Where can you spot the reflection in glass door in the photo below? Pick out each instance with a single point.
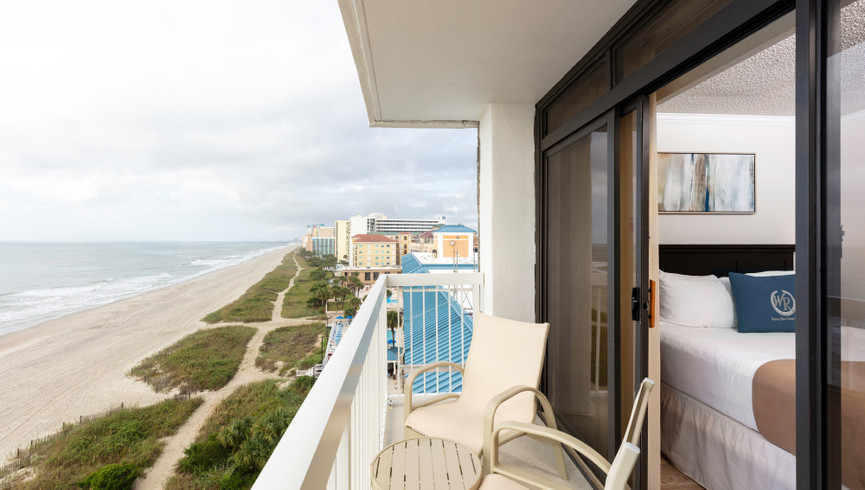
(846, 252)
(578, 275)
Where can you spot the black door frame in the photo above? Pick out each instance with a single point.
(818, 241)
(640, 107)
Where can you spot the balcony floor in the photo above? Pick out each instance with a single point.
(522, 452)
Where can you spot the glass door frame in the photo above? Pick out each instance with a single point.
(607, 120)
(640, 107)
(818, 243)
(610, 120)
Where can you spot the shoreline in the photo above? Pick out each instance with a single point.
(58, 370)
(73, 310)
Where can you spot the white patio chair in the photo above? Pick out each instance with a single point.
(617, 473)
(500, 382)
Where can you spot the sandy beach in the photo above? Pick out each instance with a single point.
(77, 365)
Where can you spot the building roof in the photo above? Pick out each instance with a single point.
(454, 229)
(436, 329)
(372, 239)
(423, 262)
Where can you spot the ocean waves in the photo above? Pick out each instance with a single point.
(78, 277)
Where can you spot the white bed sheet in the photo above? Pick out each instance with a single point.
(717, 365)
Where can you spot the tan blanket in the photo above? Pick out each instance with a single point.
(774, 400)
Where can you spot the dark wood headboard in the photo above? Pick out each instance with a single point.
(700, 260)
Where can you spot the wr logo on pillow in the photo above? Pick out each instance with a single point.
(783, 303)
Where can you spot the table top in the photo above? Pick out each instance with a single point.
(426, 463)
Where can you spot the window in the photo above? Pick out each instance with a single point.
(366, 276)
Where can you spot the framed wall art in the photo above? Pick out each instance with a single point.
(712, 183)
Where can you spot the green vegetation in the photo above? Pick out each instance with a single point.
(316, 285)
(311, 360)
(289, 346)
(204, 360)
(113, 476)
(240, 436)
(256, 304)
(297, 299)
(108, 452)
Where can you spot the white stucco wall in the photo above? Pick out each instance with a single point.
(506, 195)
(772, 139)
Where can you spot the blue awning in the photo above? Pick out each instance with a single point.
(436, 329)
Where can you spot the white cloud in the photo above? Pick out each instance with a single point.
(202, 120)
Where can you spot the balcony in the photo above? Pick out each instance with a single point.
(355, 408)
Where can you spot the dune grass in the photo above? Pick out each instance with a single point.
(108, 452)
(204, 360)
(241, 434)
(295, 303)
(288, 346)
(256, 304)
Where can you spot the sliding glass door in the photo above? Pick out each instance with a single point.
(593, 243)
(578, 283)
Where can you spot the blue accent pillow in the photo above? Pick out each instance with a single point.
(764, 304)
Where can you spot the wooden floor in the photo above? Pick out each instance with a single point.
(673, 479)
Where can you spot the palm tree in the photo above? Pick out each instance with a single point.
(355, 284)
(340, 292)
(392, 322)
(353, 305)
(329, 261)
(323, 294)
(235, 434)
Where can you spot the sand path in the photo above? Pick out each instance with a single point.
(77, 365)
(163, 468)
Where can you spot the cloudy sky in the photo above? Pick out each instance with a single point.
(202, 120)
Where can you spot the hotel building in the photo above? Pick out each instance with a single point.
(371, 250)
(342, 239)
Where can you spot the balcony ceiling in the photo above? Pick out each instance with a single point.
(439, 63)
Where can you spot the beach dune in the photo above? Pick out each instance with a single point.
(77, 365)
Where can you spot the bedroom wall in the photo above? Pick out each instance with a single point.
(772, 139)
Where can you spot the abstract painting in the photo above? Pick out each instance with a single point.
(706, 183)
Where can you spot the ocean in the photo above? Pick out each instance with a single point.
(43, 281)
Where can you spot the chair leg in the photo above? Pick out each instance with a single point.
(560, 461)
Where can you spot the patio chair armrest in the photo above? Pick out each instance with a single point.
(493, 406)
(414, 374)
(541, 432)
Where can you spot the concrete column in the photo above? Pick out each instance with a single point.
(506, 200)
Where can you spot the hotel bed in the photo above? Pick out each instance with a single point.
(727, 398)
(708, 429)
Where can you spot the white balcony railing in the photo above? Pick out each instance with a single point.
(339, 428)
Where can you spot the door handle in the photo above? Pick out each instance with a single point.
(651, 304)
(635, 304)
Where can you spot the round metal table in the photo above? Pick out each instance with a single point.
(426, 463)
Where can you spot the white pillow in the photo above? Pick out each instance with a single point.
(696, 301)
(771, 273)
